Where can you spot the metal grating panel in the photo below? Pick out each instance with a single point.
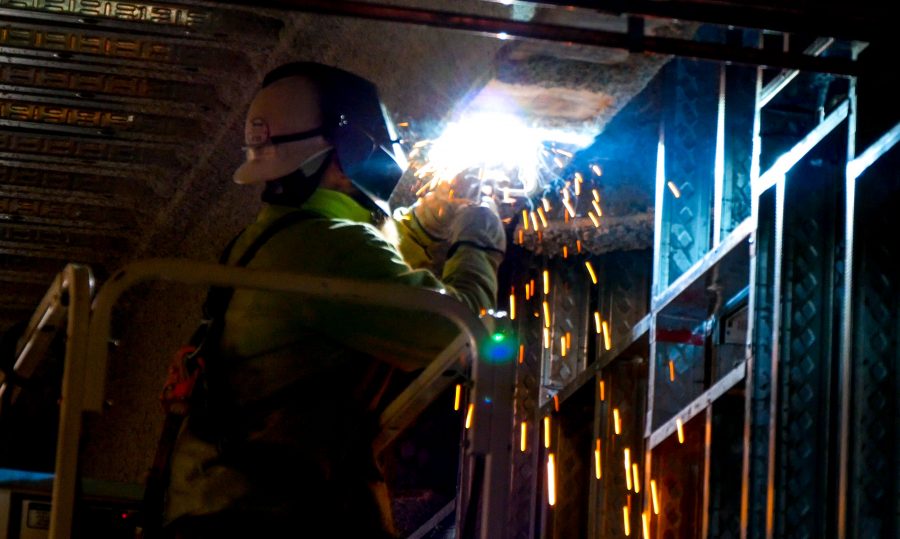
(740, 101)
(805, 420)
(689, 122)
(625, 389)
(574, 448)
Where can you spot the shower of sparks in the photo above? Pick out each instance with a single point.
(500, 150)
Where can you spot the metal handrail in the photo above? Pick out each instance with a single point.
(88, 340)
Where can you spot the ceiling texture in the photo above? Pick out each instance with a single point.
(120, 122)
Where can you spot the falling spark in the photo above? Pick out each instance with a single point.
(546, 314)
(532, 287)
(597, 170)
(594, 219)
(637, 480)
(590, 268)
(578, 245)
(551, 479)
(607, 338)
(671, 371)
(523, 438)
(598, 470)
(569, 207)
(565, 252)
(547, 431)
(403, 124)
(645, 522)
(597, 325)
(521, 354)
(543, 217)
(628, 468)
(568, 340)
(556, 402)
(546, 339)
(525, 219)
(674, 189)
(560, 151)
(579, 178)
(680, 428)
(596, 205)
(540, 236)
(627, 520)
(562, 345)
(596, 195)
(546, 204)
(469, 415)
(521, 237)
(602, 391)
(558, 162)
(534, 221)
(617, 421)
(654, 496)
(577, 188)
(457, 397)
(546, 282)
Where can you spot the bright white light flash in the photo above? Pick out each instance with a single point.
(501, 146)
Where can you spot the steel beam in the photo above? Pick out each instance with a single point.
(551, 32)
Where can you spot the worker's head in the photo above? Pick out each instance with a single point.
(308, 116)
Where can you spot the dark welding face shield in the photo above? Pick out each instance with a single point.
(353, 122)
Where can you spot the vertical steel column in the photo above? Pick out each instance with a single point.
(870, 491)
(803, 411)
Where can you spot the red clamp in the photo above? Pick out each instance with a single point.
(180, 381)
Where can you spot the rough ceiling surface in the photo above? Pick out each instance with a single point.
(121, 123)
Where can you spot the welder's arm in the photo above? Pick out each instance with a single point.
(410, 339)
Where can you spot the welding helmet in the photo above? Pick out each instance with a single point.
(353, 123)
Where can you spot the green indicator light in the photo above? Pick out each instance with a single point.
(498, 337)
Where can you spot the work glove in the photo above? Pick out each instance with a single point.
(478, 226)
(437, 210)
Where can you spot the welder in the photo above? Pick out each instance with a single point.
(280, 443)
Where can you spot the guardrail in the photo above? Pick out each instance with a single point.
(88, 338)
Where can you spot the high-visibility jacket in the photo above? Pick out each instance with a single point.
(297, 373)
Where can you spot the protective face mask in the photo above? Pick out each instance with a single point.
(295, 188)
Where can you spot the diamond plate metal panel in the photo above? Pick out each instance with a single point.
(574, 449)
(624, 291)
(568, 302)
(804, 472)
(624, 397)
(525, 486)
(874, 458)
(689, 123)
(726, 458)
(740, 104)
(680, 373)
(677, 469)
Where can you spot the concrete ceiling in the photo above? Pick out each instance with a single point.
(119, 130)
